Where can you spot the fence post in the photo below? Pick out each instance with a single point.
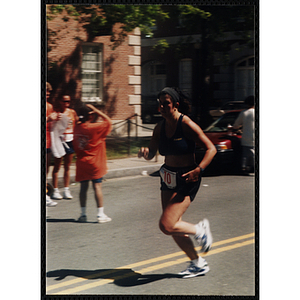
(128, 133)
(136, 127)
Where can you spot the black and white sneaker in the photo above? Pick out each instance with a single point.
(204, 238)
(193, 270)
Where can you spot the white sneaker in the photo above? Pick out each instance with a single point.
(56, 195)
(67, 194)
(193, 270)
(103, 218)
(49, 202)
(205, 237)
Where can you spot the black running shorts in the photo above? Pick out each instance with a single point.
(171, 179)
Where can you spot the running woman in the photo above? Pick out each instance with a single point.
(175, 138)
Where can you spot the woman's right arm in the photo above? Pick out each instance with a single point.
(149, 152)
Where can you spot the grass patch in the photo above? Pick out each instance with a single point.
(120, 147)
(123, 147)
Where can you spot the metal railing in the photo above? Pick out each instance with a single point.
(130, 125)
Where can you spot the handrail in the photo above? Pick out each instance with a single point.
(127, 121)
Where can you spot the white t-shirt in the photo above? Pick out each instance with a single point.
(246, 119)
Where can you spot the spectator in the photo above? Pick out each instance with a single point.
(49, 117)
(90, 148)
(65, 111)
(246, 121)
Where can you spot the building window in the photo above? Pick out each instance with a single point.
(153, 78)
(185, 75)
(244, 78)
(91, 72)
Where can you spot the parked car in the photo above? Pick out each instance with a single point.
(227, 142)
(229, 106)
(150, 112)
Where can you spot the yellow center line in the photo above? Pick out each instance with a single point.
(148, 269)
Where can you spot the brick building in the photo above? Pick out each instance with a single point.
(125, 81)
(212, 71)
(91, 71)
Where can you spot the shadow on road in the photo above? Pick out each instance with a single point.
(121, 277)
(50, 220)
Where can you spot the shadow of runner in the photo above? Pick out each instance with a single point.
(51, 220)
(139, 279)
(121, 277)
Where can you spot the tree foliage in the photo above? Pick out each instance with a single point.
(100, 19)
(218, 19)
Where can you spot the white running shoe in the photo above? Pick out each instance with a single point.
(67, 195)
(205, 237)
(82, 219)
(103, 218)
(56, 195)
(193, 270)
(49, 202)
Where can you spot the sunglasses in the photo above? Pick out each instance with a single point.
(164, 104)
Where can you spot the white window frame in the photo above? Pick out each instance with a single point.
(92, 66)
(151, 80)
(186, 75)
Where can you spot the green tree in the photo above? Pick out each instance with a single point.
(211, 22)
(100, 19)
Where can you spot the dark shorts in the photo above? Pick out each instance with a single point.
(248, 156)
(182, 187)
(99, 180)
(69, 150)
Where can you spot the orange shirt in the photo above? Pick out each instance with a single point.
(49, 110)
(90, 147)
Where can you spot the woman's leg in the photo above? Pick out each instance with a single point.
(171, 223)
(174, 206)
(186, 245)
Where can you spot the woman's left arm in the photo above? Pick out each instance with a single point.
(194, 132)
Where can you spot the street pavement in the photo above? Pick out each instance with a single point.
(131, 256)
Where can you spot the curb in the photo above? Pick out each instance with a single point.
(121, 172)
(124, 172)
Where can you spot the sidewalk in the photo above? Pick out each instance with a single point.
(117, 168)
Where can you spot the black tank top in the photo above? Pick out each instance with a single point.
(177, 144)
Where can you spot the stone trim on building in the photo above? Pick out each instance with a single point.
(135, 80)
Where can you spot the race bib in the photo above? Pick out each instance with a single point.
(168, 177)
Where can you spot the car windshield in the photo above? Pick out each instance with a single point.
(221, 124)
